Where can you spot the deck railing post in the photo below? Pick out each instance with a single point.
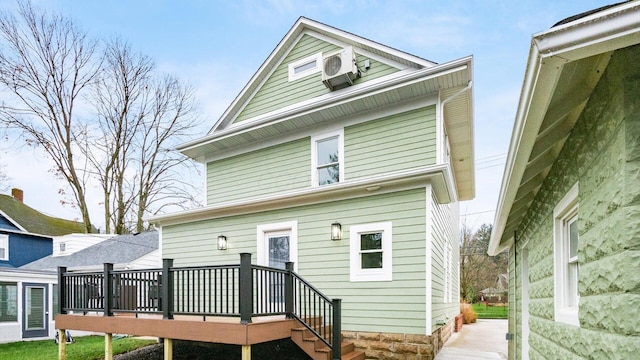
(336, 340)
(107, 290)
(166, 295)
(246, 288)
(62, 291)
(288, 290)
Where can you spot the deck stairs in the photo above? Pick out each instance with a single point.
(318, 350)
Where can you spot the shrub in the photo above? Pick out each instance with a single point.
(468, 315)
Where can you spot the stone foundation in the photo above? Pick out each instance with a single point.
(391, 346)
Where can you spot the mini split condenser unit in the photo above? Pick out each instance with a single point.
(339, 69)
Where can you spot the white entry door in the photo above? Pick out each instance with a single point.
(277, 244)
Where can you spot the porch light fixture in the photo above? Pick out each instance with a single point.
(222, 242)
(336, 231)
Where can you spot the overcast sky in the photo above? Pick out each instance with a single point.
(218, 45)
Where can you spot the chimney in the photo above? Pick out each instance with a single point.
(17, 194)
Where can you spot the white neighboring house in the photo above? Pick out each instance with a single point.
(69, 244)
(28, 295)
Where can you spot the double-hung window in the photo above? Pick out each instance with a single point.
(4, 247)
(370, 248)
(327, 158)
(566, 262)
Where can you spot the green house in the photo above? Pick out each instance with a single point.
(348, 158)
(569, 207)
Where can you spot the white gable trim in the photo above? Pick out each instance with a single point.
(357, 50)
(15, 223)
(595, 34)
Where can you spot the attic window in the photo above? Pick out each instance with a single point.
(304, 67)
(4, 247)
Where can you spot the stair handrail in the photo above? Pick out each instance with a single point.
(330, 308)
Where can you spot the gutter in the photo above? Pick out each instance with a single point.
(601, 32)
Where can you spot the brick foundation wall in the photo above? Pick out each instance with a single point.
(392, 346)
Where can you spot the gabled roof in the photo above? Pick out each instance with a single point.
(121, 249)
(288, 41)
(33, 221)
(417, 79)
(565, 64)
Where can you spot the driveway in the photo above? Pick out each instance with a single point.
(483, 340)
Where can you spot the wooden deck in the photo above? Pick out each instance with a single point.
(210, 329)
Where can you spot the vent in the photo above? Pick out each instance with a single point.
(339, 69)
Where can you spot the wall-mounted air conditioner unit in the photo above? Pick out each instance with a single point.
(339, 69)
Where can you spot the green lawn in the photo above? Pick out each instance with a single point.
(85, 348)
(490, 312)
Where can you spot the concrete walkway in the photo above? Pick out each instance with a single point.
(483, 340)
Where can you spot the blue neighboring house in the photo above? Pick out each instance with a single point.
(25, 233)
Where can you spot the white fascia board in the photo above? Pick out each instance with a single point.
(601, 32)
(17, 232)
(356, 92)
(438, 175)
(15, 223)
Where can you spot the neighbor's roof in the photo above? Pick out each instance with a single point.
(33, 221)
(121, 249)
(565, 64)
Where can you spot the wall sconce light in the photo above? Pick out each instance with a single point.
(336, 231)
(222, 242)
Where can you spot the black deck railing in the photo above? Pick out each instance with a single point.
(243, 291)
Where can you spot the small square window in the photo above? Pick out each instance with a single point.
(566, 261)
(63, 247)
(370, 248)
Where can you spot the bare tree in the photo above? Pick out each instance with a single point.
(477, 270)
(142, 117)
(162, 182)
(46, 64)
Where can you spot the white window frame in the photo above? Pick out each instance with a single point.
(357, 273)
(314, 155)
(4, 244)
(263, 232)
(304, 61)
(564, 213)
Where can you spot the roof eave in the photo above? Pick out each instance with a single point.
(463, 64)
(605, 31)
(440, 176)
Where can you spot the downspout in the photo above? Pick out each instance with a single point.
(441, 114)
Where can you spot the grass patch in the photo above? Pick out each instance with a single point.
(85, 348)
(491, 312)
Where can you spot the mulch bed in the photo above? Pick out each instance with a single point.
(191, 350)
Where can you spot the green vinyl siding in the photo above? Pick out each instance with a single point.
(278, 168)
(277, 92)
(445, 231)
(396, 306)
(392, 143)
